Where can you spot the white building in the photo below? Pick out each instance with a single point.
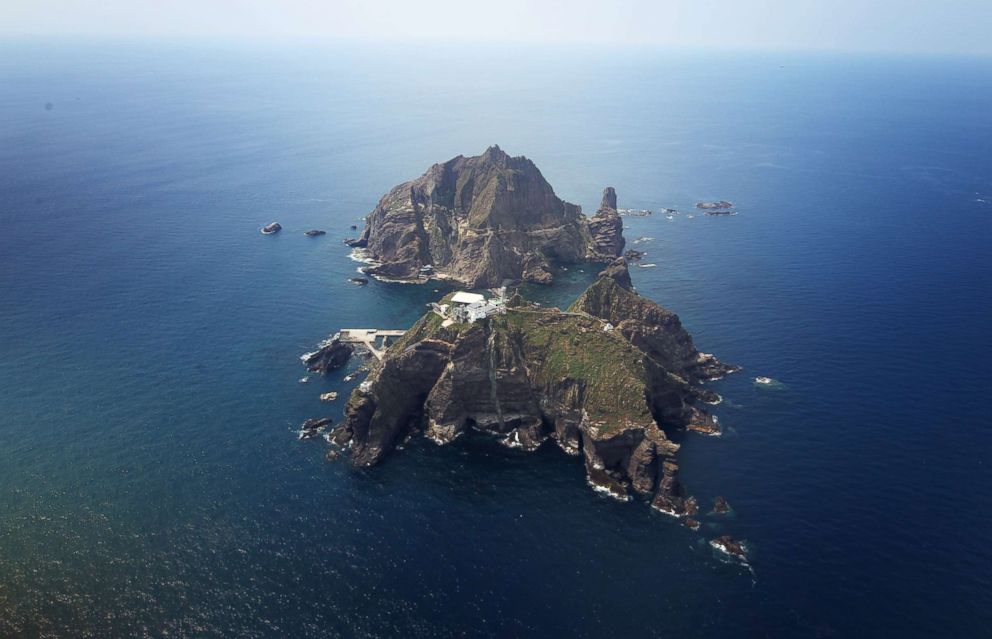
(469, 307)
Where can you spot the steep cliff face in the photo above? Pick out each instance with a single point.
(536, 374)
(482, 220)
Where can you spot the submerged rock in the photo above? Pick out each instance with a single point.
(730, 547)
(634, 212)
(315, 233)
(331, 354)
(312, 427)
(720, 506)
(359, 281)
(316, 422)
(702, 422)
(339, 436)
(481, 221)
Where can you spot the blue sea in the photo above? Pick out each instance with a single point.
(151, 480)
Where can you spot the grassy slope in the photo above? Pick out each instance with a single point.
(564, 346)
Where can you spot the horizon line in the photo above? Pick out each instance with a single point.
(563, 45)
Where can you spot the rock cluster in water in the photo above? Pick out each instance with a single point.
(331, 354)
(484, 220)
(711, 206)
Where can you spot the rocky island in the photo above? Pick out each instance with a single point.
(482, 221)
(331, 354)
(609, 379)
(711, 206)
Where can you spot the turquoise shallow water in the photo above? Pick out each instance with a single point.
(150, 477)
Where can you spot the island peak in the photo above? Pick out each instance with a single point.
(482, 221)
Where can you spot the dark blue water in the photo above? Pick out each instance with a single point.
(151, 482)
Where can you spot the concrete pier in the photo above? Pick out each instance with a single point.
(371, 338)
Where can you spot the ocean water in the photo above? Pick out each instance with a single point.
(151, 481)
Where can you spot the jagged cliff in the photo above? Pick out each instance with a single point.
(535, 374)
(606, 229)
(483, 220)
(651, 328)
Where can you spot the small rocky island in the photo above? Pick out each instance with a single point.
(713, 206)
(609, 379)
(482, 221)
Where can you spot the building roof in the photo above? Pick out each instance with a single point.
(462, 297)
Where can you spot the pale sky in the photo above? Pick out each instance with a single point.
(920, 26)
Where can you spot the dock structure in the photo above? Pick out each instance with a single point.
(370, 338)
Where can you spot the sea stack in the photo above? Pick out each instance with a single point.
(606, 229)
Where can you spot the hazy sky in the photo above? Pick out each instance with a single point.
(946, 26)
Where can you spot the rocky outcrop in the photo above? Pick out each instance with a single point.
(710, 206)
(316, 422)
(532, 375)
(314, 427)
(651, 328)
(606, 229)
(720, 506)
(331, 354)
(481, 221)
(270, 229)
(730, 547)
